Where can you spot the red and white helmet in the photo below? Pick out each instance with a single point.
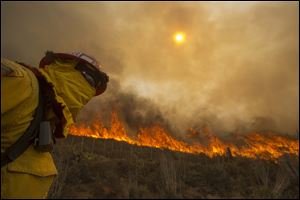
(50, 56)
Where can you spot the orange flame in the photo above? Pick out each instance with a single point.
(255, 145)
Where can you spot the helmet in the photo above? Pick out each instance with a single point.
(87, 65)
(50, 56)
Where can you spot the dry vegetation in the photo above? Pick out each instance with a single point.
(90, 168)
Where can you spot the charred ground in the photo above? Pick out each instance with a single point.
(96, 168)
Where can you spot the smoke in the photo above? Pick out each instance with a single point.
(238, 69)
(134, 111)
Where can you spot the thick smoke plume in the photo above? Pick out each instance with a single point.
(238, 69)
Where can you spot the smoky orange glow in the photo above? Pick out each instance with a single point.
(238, 66)
(253, 145)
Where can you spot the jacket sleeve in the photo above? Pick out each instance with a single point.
(19, 99)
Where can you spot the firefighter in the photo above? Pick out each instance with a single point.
(37, 106)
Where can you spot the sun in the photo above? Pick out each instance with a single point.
(179, 37)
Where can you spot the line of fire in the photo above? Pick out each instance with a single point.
(255, 145)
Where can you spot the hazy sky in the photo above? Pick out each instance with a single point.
(239, 66)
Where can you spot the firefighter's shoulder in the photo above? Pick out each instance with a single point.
(11, 68)
(19, 86)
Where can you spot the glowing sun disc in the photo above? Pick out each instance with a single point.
(179, 37)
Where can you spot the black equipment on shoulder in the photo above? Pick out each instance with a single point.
(38, 133)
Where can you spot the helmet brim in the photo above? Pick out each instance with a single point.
(46, 61)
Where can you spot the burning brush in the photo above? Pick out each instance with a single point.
(269, 146)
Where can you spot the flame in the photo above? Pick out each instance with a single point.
(254, 145)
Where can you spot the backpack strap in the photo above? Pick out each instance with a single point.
(50, 101)
(15, 150)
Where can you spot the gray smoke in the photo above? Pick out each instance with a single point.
(133, 111)
(238, 69)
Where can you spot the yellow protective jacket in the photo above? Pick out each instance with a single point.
(32, 173)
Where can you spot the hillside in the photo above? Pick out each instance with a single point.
(96, 168)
